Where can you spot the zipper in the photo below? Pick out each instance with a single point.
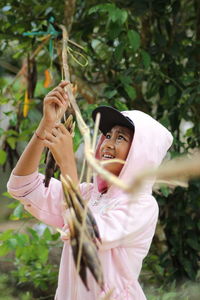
(96, 202)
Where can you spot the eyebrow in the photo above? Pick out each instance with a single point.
(123, 131)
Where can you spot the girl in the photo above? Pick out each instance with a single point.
(126, 228)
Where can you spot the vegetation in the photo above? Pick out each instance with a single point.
(140, 54)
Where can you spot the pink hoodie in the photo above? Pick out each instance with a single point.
(126, 228)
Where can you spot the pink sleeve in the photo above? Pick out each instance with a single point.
(43, 203)
(86, 189)
(128, 225)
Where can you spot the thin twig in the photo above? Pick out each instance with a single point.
(82, 125)
(96, 128)
(181, 169)
(82, 171)
(108, 295)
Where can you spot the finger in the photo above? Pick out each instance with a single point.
(57, 102)
(48, 144)
(50, 138)
(55, 132)
(60, 132)
(62, 96)
(59, 95)
(62, 128)
(64, 83)
(62, 92)
(57, 88)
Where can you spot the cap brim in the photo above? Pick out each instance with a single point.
(111, 117)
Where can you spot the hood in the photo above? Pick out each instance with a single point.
(149, 146)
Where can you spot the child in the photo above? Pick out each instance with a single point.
(126, 228)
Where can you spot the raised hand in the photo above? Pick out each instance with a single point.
(55, 104)
(59, 142)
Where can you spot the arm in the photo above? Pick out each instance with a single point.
(29, 161)
(25, 184)
(43, 203)
(52, 135)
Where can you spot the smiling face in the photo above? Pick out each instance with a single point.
(116, 145)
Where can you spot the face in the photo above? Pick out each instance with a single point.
(116, 145)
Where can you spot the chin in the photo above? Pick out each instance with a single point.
(113, 169)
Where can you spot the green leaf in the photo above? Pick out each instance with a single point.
(11, 131)
(134, 40)
(114, 14)
(117, 15)
(125, 80)
(47, 234)
(120, 105)
(188, 268)
(119, 52)
(34, 234)
(4, 249)
(146, 59)
(189, 132)
(12, 243)
(77, 140)
(6, 194)
(194, 244)
(6, 235)
(18, 212)
(12, 142)
(3, 156)
(101, 8)
(171, 90)
(165, 190)
(114, 30)
(22, 239)
(110, 94)
(124, 16)
(165, 121)
(43, 254)
(130, 91)
(55, 236)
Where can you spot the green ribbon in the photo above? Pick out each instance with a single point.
(50, 31)
(54, 34)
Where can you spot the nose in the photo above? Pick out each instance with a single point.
(110, 144)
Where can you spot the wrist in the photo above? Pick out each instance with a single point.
(44, 127)
(67, 161)
(41, 138)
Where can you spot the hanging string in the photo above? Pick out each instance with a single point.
(71, 51)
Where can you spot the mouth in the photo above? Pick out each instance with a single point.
(107, 156)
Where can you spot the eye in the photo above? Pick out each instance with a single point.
(108, 135)
(121, 137)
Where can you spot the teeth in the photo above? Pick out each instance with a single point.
(108, 156)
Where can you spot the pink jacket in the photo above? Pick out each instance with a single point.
(126, 228)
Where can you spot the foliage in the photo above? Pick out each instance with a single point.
(7, 293)
(187, 291)
(142, 55)
(182, 207)
(31, 257)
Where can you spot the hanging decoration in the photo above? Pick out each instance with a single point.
(31, 84)
(48, 78)
(26, 104)
(51, 32)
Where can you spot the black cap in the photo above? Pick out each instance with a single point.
(111, 117)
